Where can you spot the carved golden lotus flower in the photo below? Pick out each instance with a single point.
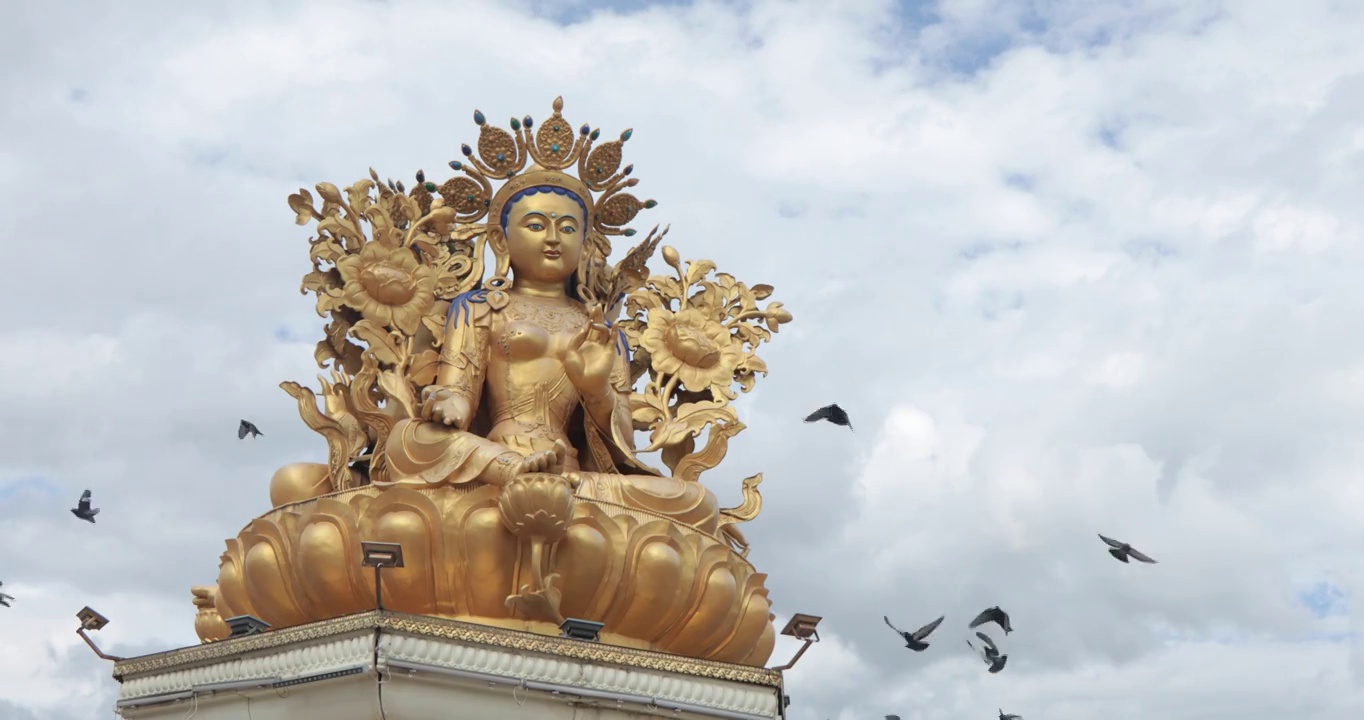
(538, 505)
(208, 624)
(699, 350)
(388, 285)
(655, 583)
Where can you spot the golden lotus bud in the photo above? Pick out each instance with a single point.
(329, 192)
(671, 257)
(537, 505)
(208, 625)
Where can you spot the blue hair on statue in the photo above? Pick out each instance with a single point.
(506, 209)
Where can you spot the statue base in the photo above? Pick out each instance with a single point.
(408, 667)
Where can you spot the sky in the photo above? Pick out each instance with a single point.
(1073, 267)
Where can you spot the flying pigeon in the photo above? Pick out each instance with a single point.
(1122, 551)
(914, 640)
(832, 413)
(4, 599)
(990, 654)
(83, 509)
(1003, 716)
(994, 615)
(248, 428)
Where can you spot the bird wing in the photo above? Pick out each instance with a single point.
(1111, 542)
(984, 617)
(898, 631)
(926, 630)
(94, 512)
(241, 431)
(84, 503)
(993, 649)
(820, 414)
(1140, 556)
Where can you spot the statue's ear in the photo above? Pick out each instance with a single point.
(497, 242)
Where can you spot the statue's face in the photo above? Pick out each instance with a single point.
(545, 237)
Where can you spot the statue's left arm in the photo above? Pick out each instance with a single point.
(610, 413)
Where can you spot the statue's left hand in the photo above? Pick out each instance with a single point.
(589, 356)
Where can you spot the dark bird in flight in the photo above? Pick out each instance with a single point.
(1122, 551)
(83, 509)
(914, 641)
(248, 428)
(4, 599)
(1003, 716)
(831, 413)
(892, 717)
(993, 615)
(990, 654)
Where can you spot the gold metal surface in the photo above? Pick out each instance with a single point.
(487, 423)
(443, 629)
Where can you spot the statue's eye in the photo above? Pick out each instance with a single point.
(568, 229)
(537, 227)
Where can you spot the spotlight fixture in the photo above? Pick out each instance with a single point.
(581, 629)
(380, 555)
(800, 627)
(92, 620)
(243, 625)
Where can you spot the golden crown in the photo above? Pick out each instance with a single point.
(553, 148)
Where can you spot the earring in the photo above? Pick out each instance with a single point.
(497, 287)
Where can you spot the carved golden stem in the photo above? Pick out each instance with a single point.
(537, 560)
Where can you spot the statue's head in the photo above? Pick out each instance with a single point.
(562, 197)
(541, 233)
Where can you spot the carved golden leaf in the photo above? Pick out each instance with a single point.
(378, 339)
(358, 195)
(301, 203)
(422, 369)
(643, 411)
(398, 391)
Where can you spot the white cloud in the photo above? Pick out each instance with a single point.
(1073, 267)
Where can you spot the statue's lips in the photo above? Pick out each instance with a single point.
(554, 254)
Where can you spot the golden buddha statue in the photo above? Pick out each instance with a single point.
(488, 425)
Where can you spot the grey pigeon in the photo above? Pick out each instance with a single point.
(1003, 716)
(993, 615)
(4, 599)
(83, 509)
(914, 640)
(990, 654)
(832, 413)
(248, 428)
(892, 717)
(1122, 551)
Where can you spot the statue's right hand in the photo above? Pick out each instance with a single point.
(444, 406)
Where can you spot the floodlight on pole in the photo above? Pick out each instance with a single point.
(91, 620)
(801, 627)
(380, 555)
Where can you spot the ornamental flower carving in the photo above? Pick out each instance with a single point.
(700, 351)
(537, 505)
(388, 285)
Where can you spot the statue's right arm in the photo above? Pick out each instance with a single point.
(464, 353)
